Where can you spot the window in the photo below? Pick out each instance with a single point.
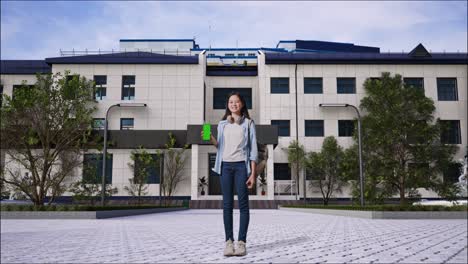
(211, 55)
(314, 128)
(447, 89)
(100, 81)
(283, 127)
(128, 87)
(450, 132)
(23, 87)
(346, 85)
(417, 83)
(92, 168)
(252, 54)
(312, 175)
(229, 54)
(241, 54)
(313, 85)
(98, 123)
(279, 85)
(221, 94)
(282, 171)
(155, 169)
(452, 172)
(72, 77)
(126, 123)
(345, 128)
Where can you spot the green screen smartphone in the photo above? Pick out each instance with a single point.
(206, 131)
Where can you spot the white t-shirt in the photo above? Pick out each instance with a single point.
(233, 142)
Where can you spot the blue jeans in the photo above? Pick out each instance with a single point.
(235, 172)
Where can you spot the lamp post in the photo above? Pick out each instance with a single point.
(104, 152)
(361, 173)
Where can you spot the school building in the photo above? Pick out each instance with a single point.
(184, 86)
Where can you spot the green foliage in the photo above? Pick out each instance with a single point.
(327, 168)
(385, 207)
(142, 163)
(43, 127)
(88, 189)
(68, 207)
(296, 159)
(399, 129)
(174, 163)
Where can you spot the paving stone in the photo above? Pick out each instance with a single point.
(196, 236)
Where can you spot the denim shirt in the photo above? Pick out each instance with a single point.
(250, 154)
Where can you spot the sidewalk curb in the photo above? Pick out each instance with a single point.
(83, 214)
(384, 214)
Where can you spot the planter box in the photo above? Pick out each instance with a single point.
(384, 214)
(83, 214)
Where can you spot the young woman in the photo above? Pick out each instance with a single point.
(236, 162)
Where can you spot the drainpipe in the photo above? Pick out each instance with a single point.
(297, 130)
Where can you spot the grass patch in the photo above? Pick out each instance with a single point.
(68, 207)
(384, 207)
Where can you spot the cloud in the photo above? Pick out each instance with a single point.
(38, 30)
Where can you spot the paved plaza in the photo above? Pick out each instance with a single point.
(194, 236)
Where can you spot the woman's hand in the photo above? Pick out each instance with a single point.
(212, 139)
(251, 181)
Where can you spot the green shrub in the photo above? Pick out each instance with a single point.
(386, 207)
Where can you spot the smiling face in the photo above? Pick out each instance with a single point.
(235, 105)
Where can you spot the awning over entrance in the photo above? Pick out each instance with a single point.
(266, 134)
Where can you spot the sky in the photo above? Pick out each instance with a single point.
(40, 29)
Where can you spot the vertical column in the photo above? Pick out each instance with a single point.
(270, 175)
(194, 173)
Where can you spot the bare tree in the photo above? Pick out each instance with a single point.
(174, 163)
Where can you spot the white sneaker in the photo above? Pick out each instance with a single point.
(241, 249)
(229, 249)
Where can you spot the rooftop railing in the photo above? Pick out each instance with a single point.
(73, 52)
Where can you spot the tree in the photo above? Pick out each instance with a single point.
(327, 168)
(296, 160)
(403, 148)
(43, 130)
(174, 163)
(142, 165)
(89, 188)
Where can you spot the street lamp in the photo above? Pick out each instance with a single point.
(104, 153)
(361, 173)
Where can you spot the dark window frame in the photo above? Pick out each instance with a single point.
(154, 176)
(128, 87)
(96, 158)
(344, 88)
(279, 169)
(127, 119)
(344, 129)
(314, 124)
(98, 127)
(452, 134)
(412, 81)
(445, 95)
(100, 82)
(284, 127)
(312, 85)
(279, 85)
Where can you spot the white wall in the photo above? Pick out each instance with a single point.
(282, 106)
(173, 93)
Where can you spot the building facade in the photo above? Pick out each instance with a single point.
(185, 86)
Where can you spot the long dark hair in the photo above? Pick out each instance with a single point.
(244, 110)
